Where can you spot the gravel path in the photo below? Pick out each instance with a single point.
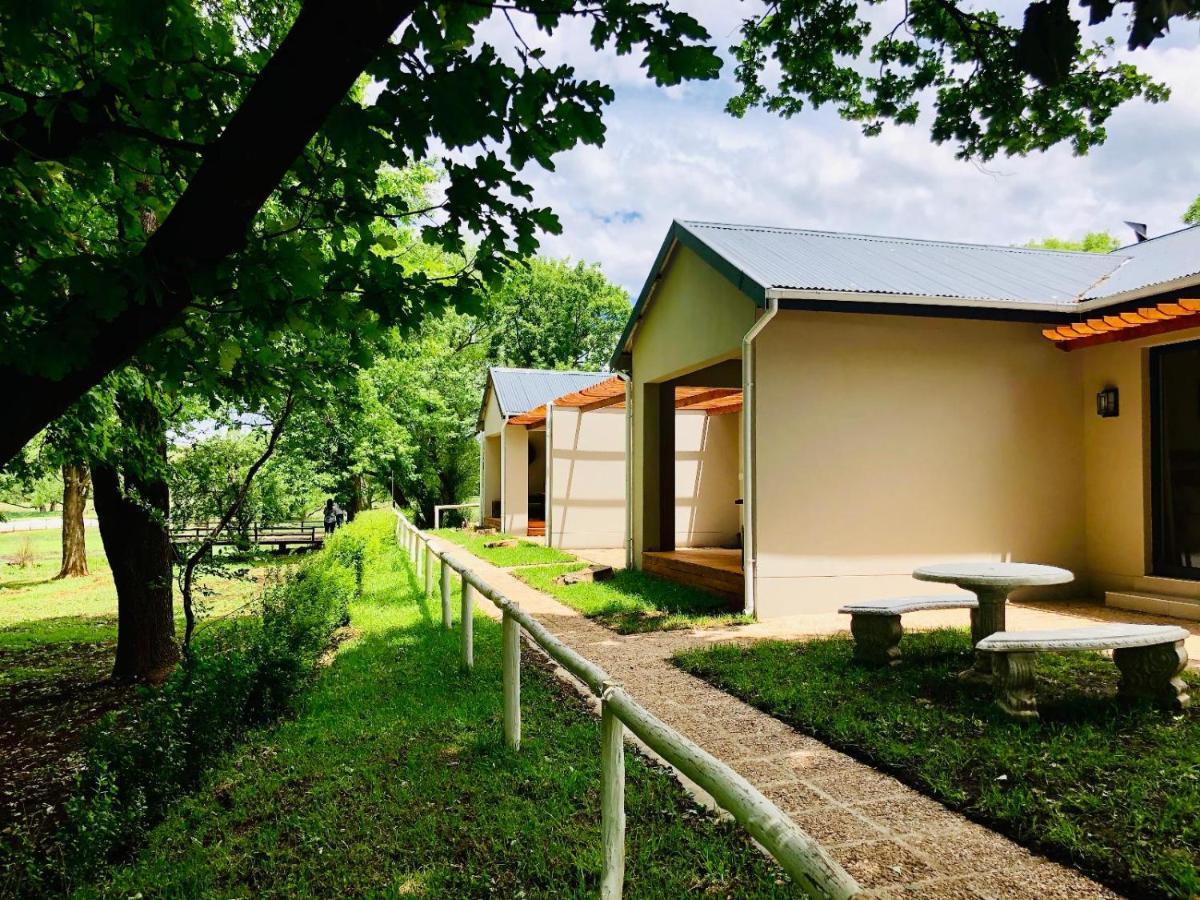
(895, 841)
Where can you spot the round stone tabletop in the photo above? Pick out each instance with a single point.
(1000, 575)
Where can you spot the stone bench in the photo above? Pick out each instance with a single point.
(1150, 658)
(876, 627)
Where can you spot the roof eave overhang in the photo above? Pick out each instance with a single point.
(913, 305)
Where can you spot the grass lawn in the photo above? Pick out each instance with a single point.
(394, 779)
(1114, 789)
(526, 553)
(634, 602)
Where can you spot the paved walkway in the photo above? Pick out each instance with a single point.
(895, 841)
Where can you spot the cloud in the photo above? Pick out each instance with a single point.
(676, 154)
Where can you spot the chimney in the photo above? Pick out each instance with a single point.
(1139, 230)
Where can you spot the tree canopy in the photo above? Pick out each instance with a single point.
(1092, 242)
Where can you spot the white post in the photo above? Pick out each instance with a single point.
(512, 681)
(612, 803)
(428, 571)
(468, 626)
(447, 622)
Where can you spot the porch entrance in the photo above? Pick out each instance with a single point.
(1175, 459)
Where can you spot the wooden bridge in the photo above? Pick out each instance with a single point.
(281, 536)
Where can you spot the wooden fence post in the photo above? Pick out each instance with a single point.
(428, 571)
(468, 626)
(612, 802)
(447, 620)
(512, 681)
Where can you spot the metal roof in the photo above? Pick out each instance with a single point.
(798, 259)
(809, 268)
(520, 390)
(1156, 261)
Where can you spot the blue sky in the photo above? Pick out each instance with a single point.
(675, 153)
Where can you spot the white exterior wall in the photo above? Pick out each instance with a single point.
(888, 442)
(587, 479)
(707, 462)
(515, 456)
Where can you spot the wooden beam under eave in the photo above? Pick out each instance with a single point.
(1132, 333)
(724, 410)
(602, 402)
(706, 397)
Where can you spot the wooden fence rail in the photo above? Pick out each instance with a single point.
(800, 856)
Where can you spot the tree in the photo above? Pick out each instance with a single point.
(1192, 215)
(1092, 242)
(994, 88)
(551, 314)
(206, 113)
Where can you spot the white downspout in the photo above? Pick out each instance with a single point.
(481, 440)
(628, 470)
(504, 473)
(749, 488)
(549, 512)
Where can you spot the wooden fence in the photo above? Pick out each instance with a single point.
(800, 856)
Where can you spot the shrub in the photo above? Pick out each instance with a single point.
(242, 674)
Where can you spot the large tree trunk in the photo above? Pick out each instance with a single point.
(74, 539)
(324, 52)
(133, 510)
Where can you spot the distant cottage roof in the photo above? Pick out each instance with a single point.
(520, 390)
(823, 269)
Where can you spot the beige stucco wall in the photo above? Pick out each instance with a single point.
(706, 480)
(695, 319)
(1117, 485)
(587, 502)
(886, 442)
(490, 486)
(515, 489)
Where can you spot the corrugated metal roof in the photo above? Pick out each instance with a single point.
(1168, 257)
(520, 390)
(800, 259)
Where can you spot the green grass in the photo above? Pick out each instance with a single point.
(394, 779)
(526, 553)
(633, 602)
(30, 593)
(13, 514)
(1111, 787)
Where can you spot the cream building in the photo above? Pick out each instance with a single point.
(882, 403)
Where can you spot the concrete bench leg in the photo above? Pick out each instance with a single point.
(1153, 673)
(876, 639)
(1012, 681)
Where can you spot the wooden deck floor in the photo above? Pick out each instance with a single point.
(712, 569)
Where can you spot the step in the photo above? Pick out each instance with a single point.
(1154, 604)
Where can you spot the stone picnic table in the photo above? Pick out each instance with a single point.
(991, 583)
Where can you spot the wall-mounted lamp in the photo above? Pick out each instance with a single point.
(1108, 403)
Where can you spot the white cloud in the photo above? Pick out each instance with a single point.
(676, 154)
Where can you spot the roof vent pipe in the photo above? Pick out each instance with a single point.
(1139, 230)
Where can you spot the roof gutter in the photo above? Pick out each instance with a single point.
(749, 486)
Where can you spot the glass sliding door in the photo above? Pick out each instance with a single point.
(1175, 461)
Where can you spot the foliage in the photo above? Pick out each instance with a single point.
(395, 779)
(244, 672)
(549, 314)
(1108, 785)
(1192, 215)
(1092, 242)
(206, 476)
(633, 602)
(525, 553)
(994, 87)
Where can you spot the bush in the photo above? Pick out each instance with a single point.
(238, 676)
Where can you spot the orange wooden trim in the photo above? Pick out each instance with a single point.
(1133, 318)
(603, 402)
(706, 396)
(1153, 314)
(724, 410)
(1131, 334)
(1174, 309)
(1053, 335)
(1099, 325)
(1192, 305)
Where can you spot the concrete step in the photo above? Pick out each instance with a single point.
(1154, 604)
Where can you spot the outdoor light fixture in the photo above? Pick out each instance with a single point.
(1108, 403)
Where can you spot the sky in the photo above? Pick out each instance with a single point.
(675, 154)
